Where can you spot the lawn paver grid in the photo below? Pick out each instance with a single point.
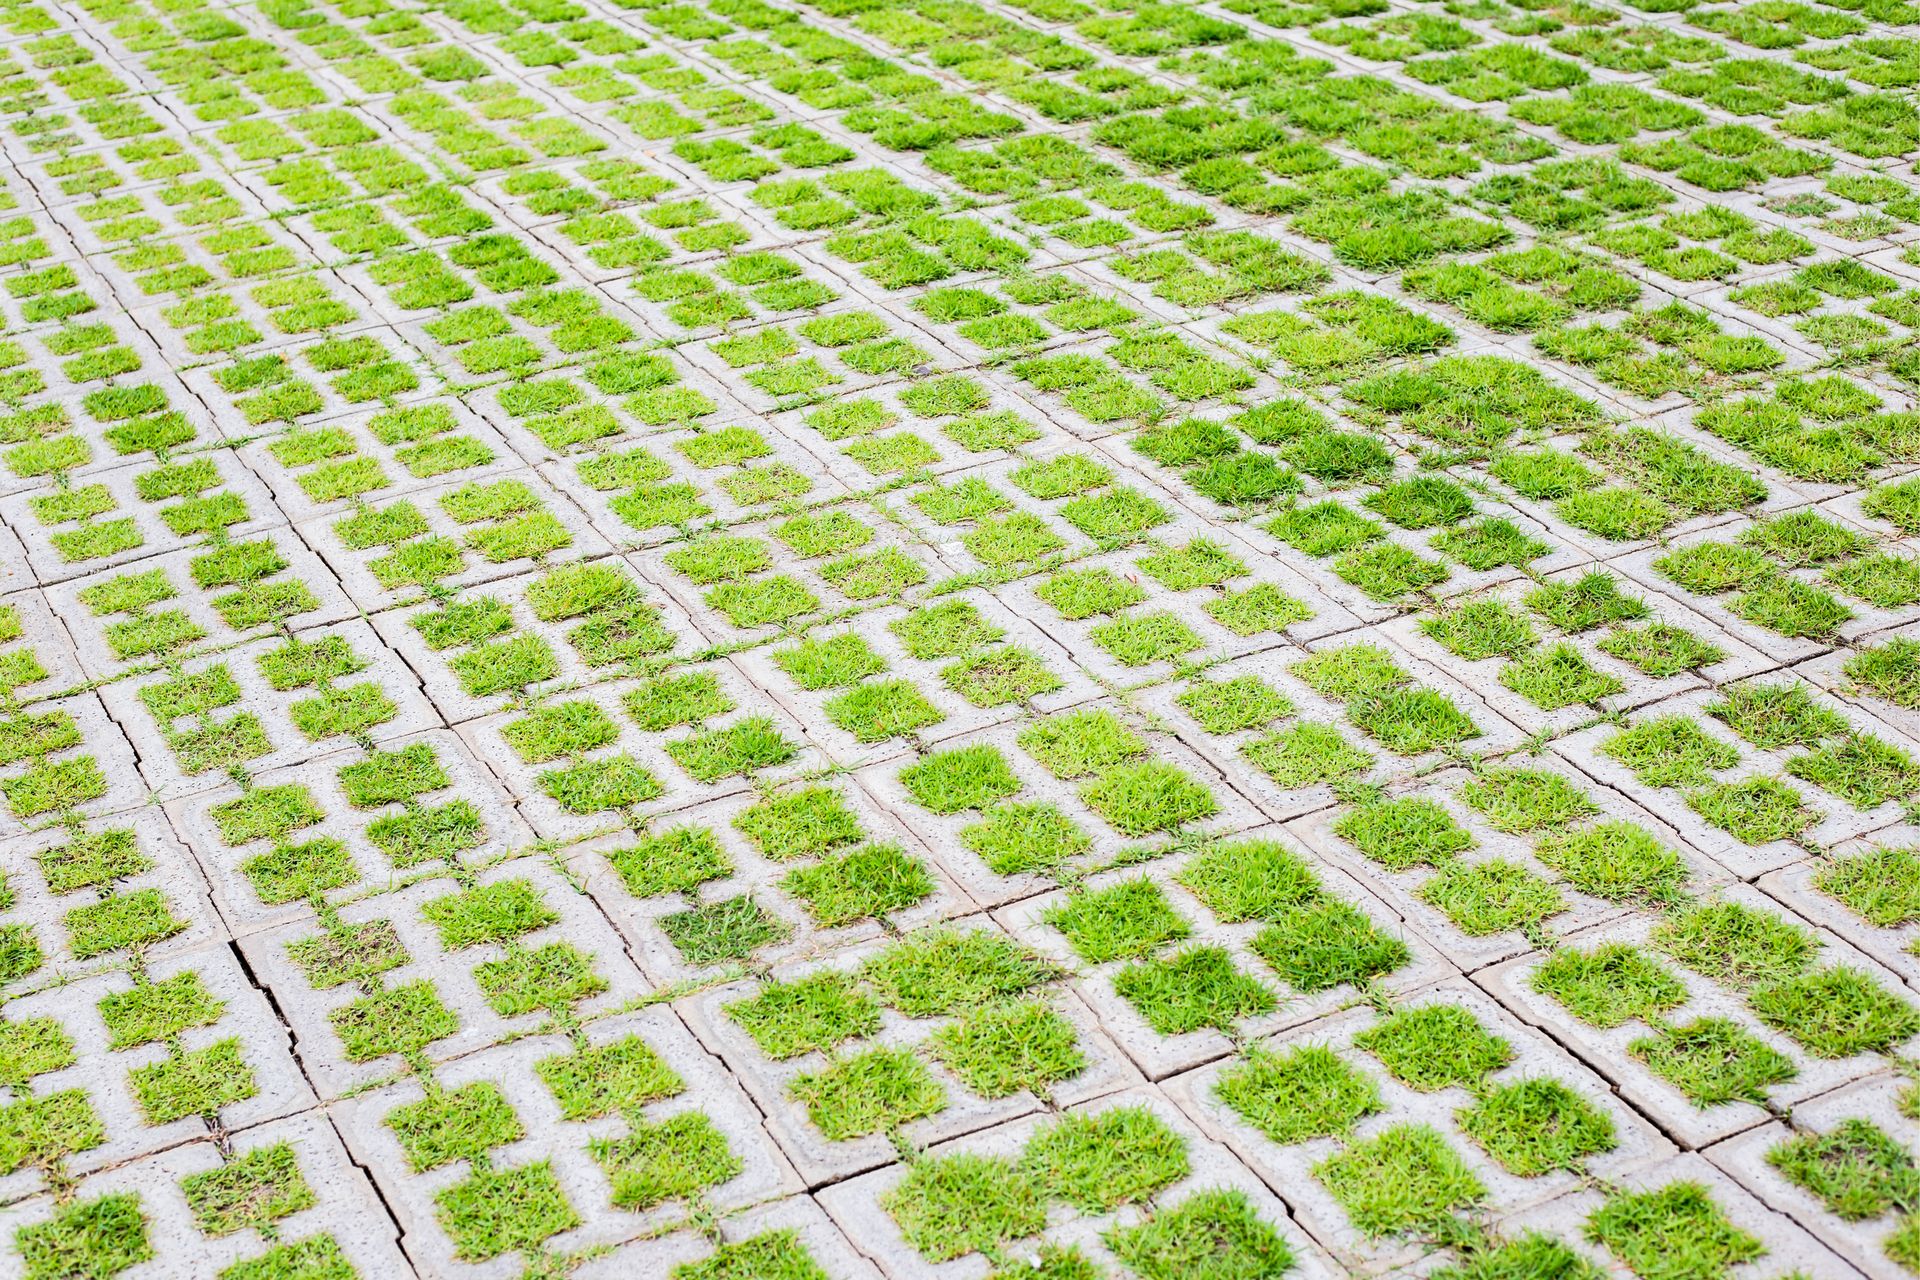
(1062, 638)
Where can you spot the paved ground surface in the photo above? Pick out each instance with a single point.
(756, 641)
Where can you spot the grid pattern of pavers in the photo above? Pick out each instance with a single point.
(1064, 639)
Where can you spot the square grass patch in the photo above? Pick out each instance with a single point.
(600, 785)
(718, 932)
(1123, 921)
(1230, 706)
(1527, 1256)
(1520, 801)
(1144, 639)
(1714, 1061)
(1004, 1048)
(1619, 861)
(1078, 594)
(1304, 1093)
(1249, 879)
(1192, 989)
(1404, 1181)
(1327, 943)
(1792, 608)
(806, 1015)
(1387, 571)
(675, 1159)
(1306, 755)
(871, 1092)
(734, 751)
(88, 1238)
(1859, 768)
(1201, 563)
(950, 1206)
(772, 1255)
(1257, 609)
(831, 663)
(665, 702)
(1481, 629)
(1880, 885)
(1559, 676)
(1404, 833)
(1435, 1046)
(455, 1124)
(1771, 716)
(1349, 671)
(1098, 1162)
(944, 970)
(500, 1211)
(879, 710)
(1017, 839)
(945, 630)
(1411, 721)
(1535, 1127)
(1590, 601)
(804, 822)
(1609, 986)
(1486, 898)
(1855, 1169)
(1736, 945)
(1078, 744)
(1324, 529)
(1210, 1235)
(1670, 751)
(1677, 1230)
(1489, 544)
(1660, 650)
(1836, 1013)
(395, 1020)
(959, 779)
(1149, 796)
(1016, 539)
(1755, 812)
(1421, 502)
(764, 602)
(870, 882)
(1890, 671)
(1002, 675)
(601, 1079)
